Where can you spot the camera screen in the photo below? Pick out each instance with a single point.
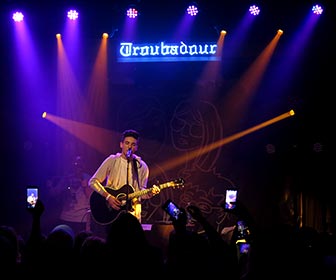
(243, 231)
(32, 196)
(230, 199)
(172, 209)
(244, 248)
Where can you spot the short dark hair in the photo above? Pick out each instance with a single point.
(130, 133)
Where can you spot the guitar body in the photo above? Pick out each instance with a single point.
(103, 214)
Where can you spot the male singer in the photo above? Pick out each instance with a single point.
(122, 173)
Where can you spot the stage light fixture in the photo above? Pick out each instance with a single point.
(18, 17)
(192, 10)
(132, 12)
(254, 10)
(72, 14)
(318, 10)
(317, 147)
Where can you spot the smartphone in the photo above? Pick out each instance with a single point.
(242, 230)
(230, 199)
(32, 193)
(172, 209)
(244, 248)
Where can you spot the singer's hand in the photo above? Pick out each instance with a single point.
(114, 202)
(155, 190)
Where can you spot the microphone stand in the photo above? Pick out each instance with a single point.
(127, 204)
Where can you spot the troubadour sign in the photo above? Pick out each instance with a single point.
(131, 52)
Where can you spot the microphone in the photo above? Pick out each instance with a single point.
(129, 153)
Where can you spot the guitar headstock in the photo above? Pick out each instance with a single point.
(178, 183)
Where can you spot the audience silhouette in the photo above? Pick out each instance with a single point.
(92, 258)
(283, 250)
(129, 249)
(188, 251)
(10, 251)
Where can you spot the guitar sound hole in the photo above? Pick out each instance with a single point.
(122, 197)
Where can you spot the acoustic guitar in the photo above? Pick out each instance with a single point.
(103, 214)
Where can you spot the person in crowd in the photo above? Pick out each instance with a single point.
(92, 255)
(120, 183)
(33, 246)
(74, 194)
(79, 240)
(241, 236)
(221, 253)
(10, 251)
(58, 251)
(129, 250)
(188, 252)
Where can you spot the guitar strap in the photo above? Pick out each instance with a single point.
(136, 173)
(137, 206)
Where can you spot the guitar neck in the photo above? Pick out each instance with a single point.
(146, 191)
(139, 193)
